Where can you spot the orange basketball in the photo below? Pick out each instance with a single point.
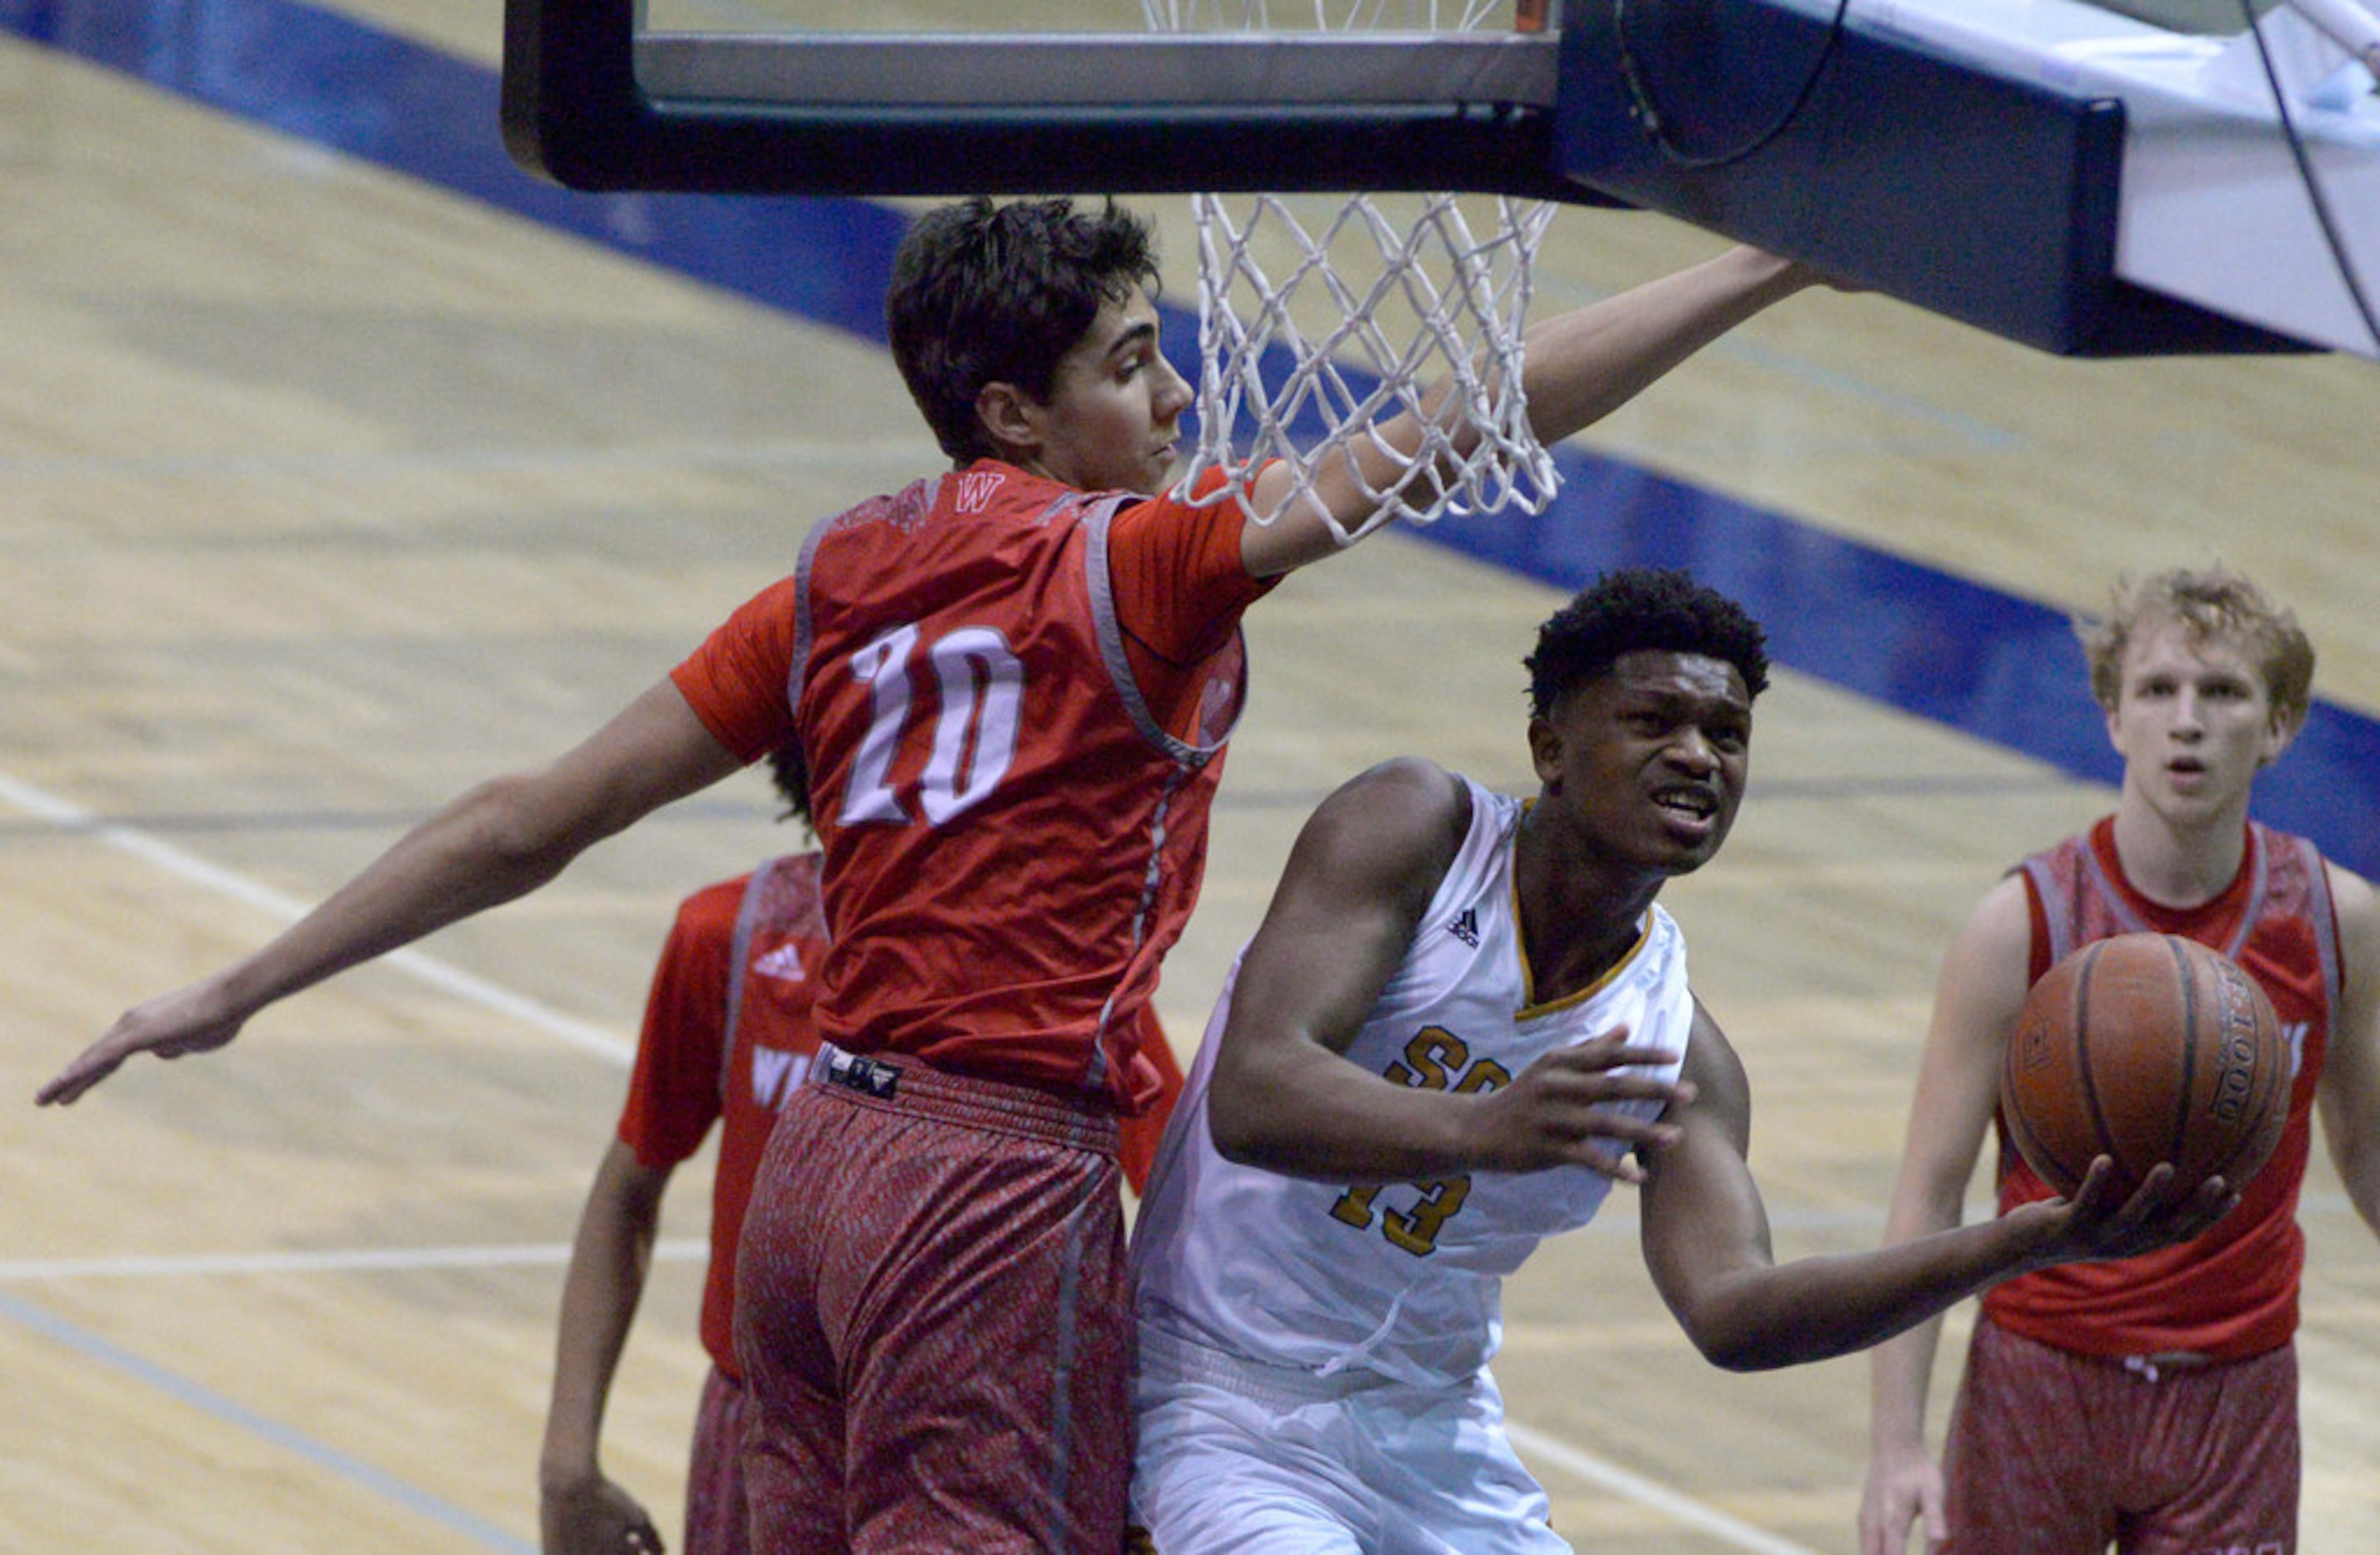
(2146, 1047)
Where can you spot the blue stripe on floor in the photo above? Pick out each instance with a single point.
(1991, 665)
(174, 1385)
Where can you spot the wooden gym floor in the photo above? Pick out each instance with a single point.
(325, 491)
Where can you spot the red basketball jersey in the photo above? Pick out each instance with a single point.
(727, 1036)
(1014, 836)
(2233, 1291)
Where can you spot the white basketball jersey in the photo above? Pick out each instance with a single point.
(1400, 1279)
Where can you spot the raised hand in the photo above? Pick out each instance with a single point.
(188, 1021)
(2098, 1222)
(1561, 1112)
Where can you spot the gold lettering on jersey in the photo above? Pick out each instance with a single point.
(1435, 1059)
(1430, 1059)
(1415, 1230)
(1354, 1206)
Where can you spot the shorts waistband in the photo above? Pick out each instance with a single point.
(1083, 1121)
(2148, 1368)
(1278, 1386)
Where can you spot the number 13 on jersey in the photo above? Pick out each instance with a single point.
(1435, 1060)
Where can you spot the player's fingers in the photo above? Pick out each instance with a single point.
(87, 1069)
(1885, 1516)
(1879, 1538)
(1613, 1051)
(1578, 1071)
(1616, 1048)
(2100, 1193)
(2155, 1201)
(1885, 1528)
(1621, 1131)
(2215, 1198)
(1601, 1093)
(1617, 1163)
(2153, 1196)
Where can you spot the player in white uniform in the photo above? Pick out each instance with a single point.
(1463, 1018)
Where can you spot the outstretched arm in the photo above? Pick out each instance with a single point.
(580, 1512)
(1577, 369)
(1283, 1097)
(502, 840)
(1705, 1236)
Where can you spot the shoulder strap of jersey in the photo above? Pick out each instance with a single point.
(739, 956)
(1097, 516)
(2318, 905)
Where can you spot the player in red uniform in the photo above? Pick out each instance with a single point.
(1012, 681)
(2150, 1403)
(727, 1037)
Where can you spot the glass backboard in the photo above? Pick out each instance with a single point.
(938, 97)
(2101, 178)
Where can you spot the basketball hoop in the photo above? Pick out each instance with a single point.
(1319, 318)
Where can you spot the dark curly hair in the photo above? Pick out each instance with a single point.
(997, 294)
(1639, 608)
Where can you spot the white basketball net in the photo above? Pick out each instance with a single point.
(1320, 318)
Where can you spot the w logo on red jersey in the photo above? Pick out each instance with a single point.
(977, 488)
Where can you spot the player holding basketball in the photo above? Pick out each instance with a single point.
(1417, 1073)
(1014, 682)
(2151, 1403)
(727, 1037)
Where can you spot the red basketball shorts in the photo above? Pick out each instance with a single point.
(2056, 1453)
(717, 1521)
(933, 1319)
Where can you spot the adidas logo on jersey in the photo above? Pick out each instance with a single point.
(784, 964)
(1465, 927)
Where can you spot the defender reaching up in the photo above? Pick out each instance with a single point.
(1012, 681)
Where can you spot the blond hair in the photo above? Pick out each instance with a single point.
(2211, 605)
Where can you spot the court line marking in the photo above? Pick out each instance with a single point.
(659, 455)
(468, 987)
(1572, 1460)
(413, 1499)
(1650, 1493)
(478, 990)
(519, 1254)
